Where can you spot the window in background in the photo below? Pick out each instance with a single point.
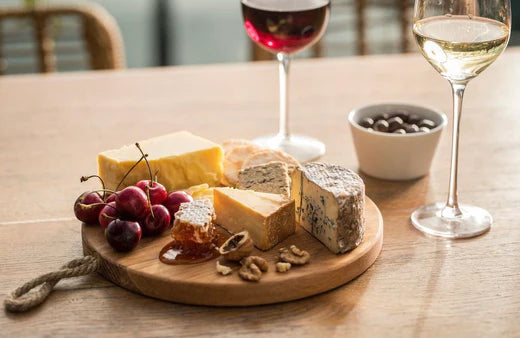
(177, 32)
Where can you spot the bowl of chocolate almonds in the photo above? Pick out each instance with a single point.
(396, 141)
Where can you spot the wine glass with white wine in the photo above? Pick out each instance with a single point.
(459, 38)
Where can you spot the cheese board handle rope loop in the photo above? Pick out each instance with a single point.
(20, 300)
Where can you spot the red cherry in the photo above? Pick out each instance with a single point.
(107, 214)
(123, 235)
(111, 198)
(88, 206)
(131, 202)
(158, 193)
(153, 226)
(174, 200)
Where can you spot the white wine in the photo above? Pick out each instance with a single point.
(460, 47)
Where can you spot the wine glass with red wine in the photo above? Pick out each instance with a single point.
(284, 27)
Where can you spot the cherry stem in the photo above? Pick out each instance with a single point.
(109, 217)
(82, 205)
(150, 202)
(147, 163)
(155, 175)
(105, 190)
(111, 207)
(86, 178)
(130, 170)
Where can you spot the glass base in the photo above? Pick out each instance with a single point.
(474, 221)
(300, 147)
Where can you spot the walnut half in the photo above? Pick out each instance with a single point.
(237, 246)
(294, 255)
(252, 268)
(259, 261)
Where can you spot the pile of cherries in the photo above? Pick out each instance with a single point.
(145, 208)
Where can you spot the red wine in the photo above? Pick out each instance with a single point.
(285, 26)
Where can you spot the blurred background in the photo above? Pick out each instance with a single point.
(150, 33)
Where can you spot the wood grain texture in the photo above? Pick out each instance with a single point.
(200, 284)
(418, 287)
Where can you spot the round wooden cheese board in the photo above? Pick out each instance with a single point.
(141, 270)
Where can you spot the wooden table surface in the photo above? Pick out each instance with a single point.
(53, 126)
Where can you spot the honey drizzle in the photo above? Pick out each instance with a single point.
(188, 252)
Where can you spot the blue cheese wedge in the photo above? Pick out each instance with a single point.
(330, 203)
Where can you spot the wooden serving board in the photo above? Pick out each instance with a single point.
(141, 271)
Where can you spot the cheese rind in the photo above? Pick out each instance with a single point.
(269, 218)
(330, 202)
(272, 177)
(181, 159)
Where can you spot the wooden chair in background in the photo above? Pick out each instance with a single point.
(53, 38)
(404, 19)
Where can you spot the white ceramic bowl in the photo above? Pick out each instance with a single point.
(395, 156)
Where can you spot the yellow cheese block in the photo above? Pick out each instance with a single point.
(269, 218)
(182, 160)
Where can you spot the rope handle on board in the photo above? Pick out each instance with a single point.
(20, 300)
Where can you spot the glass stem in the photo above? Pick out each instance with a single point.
(283, 66)
(452, 209)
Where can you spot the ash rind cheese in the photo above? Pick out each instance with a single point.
(330, 203)
(272, 177)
